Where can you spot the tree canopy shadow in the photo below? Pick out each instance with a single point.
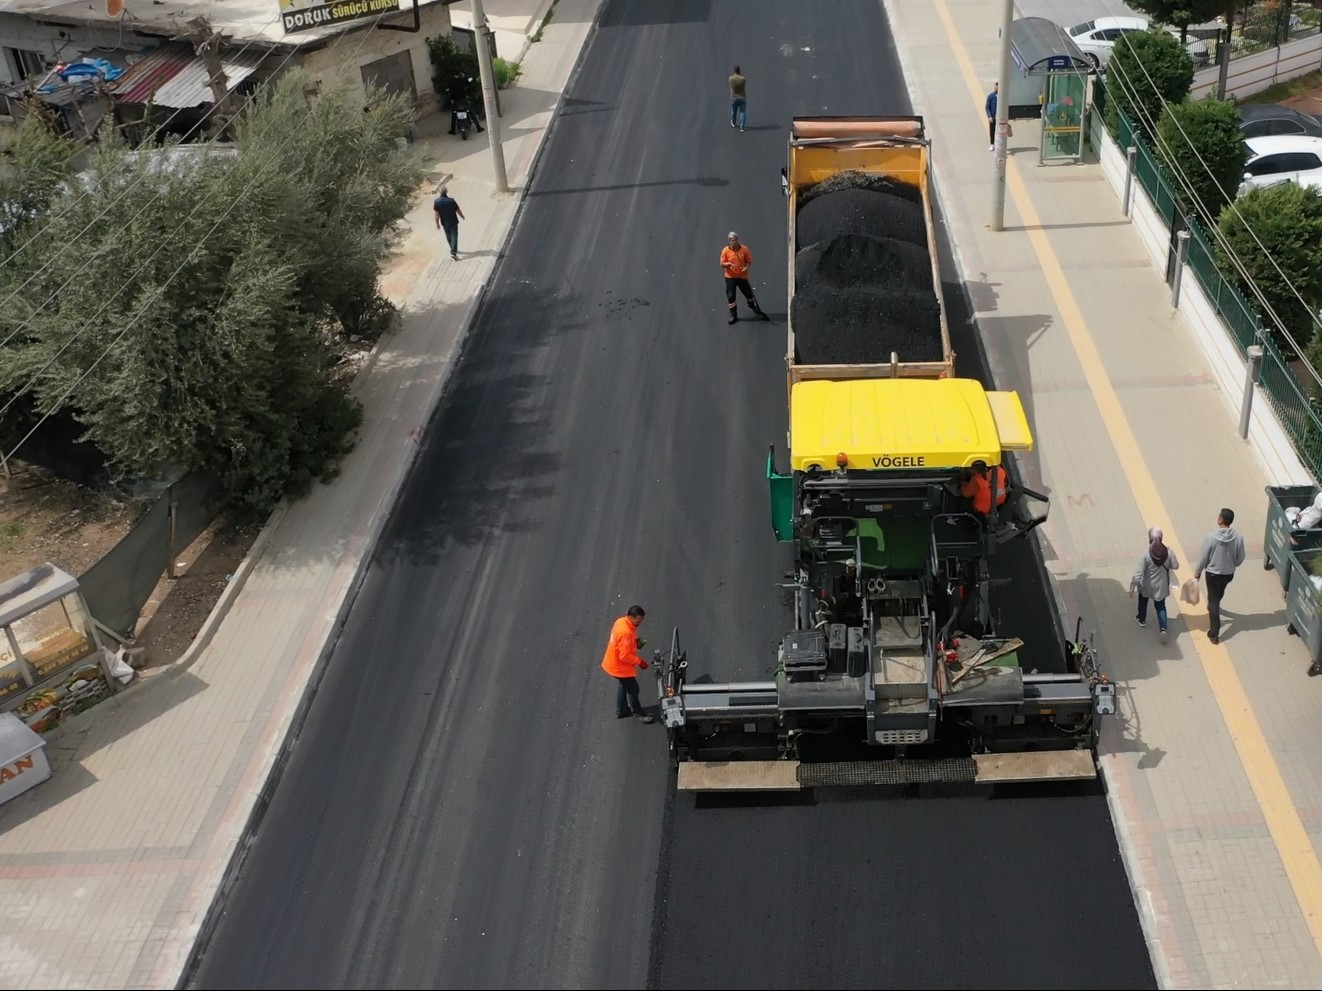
(486, 463)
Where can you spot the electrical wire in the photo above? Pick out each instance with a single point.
(110, 206)
(58, 404)
(1214, 229)
(86, 326)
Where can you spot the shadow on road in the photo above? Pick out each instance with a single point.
(469, 490)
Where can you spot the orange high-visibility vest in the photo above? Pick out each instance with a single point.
(622, 658)
(978, 488)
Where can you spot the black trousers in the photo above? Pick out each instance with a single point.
(991, 131)
(626, 698)
(731, 285)
(1216, 589)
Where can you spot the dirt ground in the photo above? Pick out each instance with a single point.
(44, 518)
(180, 605)
(1303, 94)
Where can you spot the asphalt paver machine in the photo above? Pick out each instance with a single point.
(895, 671)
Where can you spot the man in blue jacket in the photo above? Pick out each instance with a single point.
(990, 107)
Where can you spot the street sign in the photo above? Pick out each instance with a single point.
(304, 15)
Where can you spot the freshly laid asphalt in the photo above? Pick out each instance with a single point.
(462, 810)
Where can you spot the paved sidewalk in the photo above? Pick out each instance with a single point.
(108, 870)
(1211, 768)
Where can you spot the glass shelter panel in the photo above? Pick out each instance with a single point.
(54, 636)
(1063, 108)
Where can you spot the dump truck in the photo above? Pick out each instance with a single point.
(895, 670)
(879, 167)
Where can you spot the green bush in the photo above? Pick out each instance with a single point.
(1147, 70)
(1200, 140)
(506, 72)
(1280, 223)
(451, 70)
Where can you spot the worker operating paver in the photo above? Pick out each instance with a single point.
(736, 260)
(622, 660)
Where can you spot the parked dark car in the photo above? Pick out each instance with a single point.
(1260, 120)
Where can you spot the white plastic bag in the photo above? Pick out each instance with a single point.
(1190, 593)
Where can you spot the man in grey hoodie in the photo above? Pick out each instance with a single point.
(1223, 552)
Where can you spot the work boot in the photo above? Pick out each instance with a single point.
(646, 717)
(623, 715)
(734, 317)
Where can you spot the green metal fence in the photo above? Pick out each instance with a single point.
(1295, 405)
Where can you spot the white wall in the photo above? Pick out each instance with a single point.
(1254, 73)
(57, 42)
(1270, 441)
(347, 57)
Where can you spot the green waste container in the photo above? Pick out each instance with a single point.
(1303, 601)
(1276, 543)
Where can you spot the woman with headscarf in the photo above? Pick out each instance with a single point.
(1153, 580)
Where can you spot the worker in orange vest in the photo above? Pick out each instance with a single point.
(977, 486)
(622, 660)
(736, 260)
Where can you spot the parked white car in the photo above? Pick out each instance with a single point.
(1097, 38)
(1280, 158)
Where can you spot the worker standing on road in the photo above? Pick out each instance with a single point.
(1223, 552)
(736, 260)
(622, 660)
(738, 99)
(977, 487)
(1152, 580)
(990, 107)
(448, 216)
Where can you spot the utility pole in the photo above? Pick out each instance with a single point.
(1002, 120)
(483, 39)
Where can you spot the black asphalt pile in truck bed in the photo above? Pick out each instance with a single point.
(884, 208)
(863, 326)
(850, 259)
(863, 274)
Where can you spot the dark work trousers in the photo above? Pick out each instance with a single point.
(742, 286)
(452, 236)
(1216, 588)
(626, 698)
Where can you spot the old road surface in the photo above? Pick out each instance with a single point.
(462, 809)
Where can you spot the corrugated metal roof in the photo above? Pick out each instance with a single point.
(191, 87)
(173, 76)
(150, 73)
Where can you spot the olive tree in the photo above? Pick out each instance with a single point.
(187, 305)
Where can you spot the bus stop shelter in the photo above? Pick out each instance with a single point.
(1051, 82)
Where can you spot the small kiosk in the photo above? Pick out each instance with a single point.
(52, 662)
(1051, 83)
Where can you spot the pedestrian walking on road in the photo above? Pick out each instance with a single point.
(990, 107)
(738, 99)
(1152, 580)
(736, 260)
(622, 660)
(448, 216)
(1223, 552)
